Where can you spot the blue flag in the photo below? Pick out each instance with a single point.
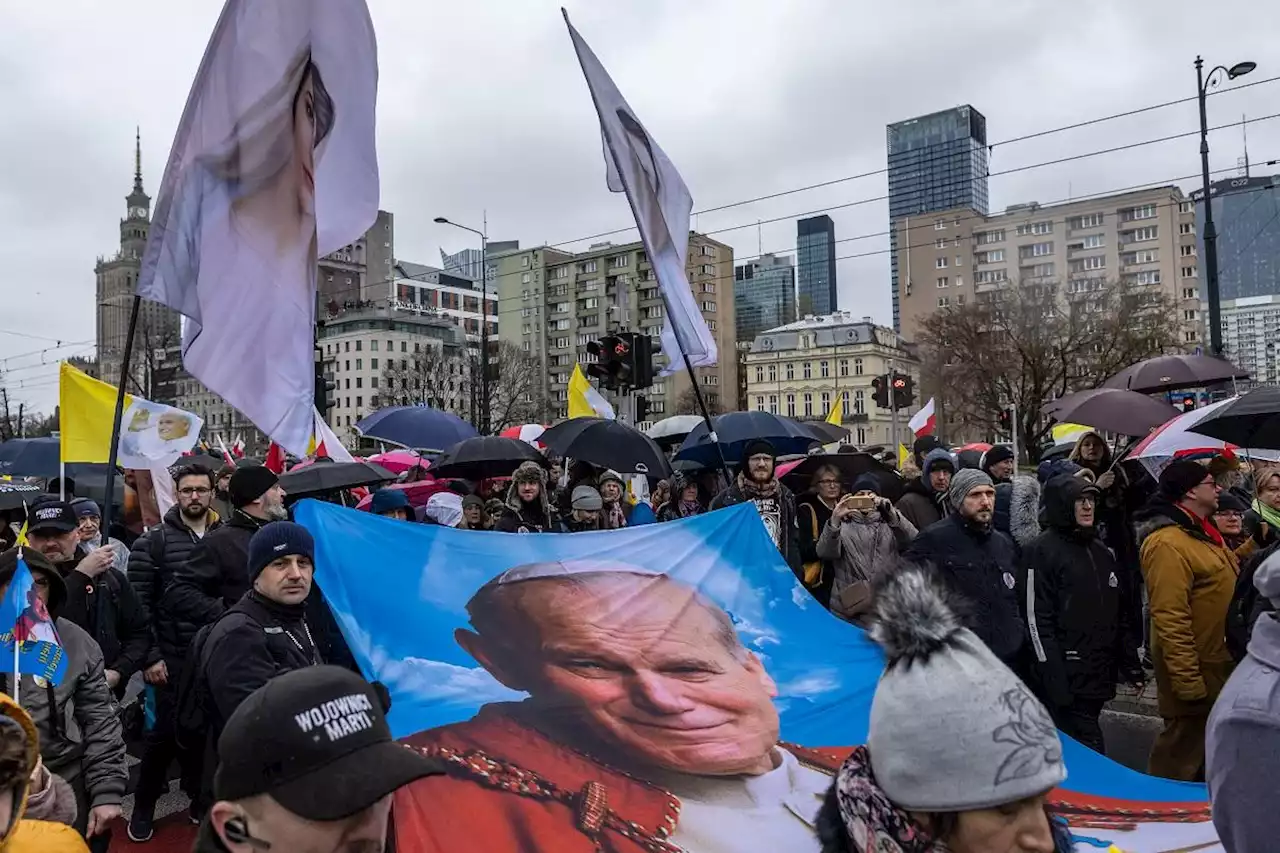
(26, 621)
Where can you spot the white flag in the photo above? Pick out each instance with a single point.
(661, 204)
(273, 164)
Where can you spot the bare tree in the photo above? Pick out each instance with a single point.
(515, 387)
(687, 403)
(1028, 344)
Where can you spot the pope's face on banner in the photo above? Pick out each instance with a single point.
(304, 142)
(644, 664)
(172, 426)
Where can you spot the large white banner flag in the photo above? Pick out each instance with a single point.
(661, 204)
(273, 165)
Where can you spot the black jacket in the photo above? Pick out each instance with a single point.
(978, 565)
(1247, 604)
(778, 513)
(107, 608)
(527, 519)
(256, 640)
(921, 505)
(172, 542)
(1078, 605)
(216, 575)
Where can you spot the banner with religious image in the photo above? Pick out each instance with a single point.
(664, 688)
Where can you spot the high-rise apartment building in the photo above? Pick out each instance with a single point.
(764, 295)
(553, 303)
(1145, 237)
(1246, 213)
(1251, 336)
(936, 162)
(816, 265)
(362, 270)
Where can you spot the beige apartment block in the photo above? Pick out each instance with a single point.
(552, 303)
(959, 256)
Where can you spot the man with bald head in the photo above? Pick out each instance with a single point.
(649, 726)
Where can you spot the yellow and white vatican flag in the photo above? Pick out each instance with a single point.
(585, 401)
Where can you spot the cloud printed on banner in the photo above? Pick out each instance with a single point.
(430, 680)
(812, 685)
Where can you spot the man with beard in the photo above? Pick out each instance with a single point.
(100, 599)
(756, 482)
(977, 563)
(155, 560)
(528, 509)
(215, 576)
(1077, 613)
(924, 501)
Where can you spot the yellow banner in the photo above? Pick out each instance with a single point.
(834, 416)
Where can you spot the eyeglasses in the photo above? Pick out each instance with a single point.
(1229, 513)
(1210, 482)
(828, 482)
(191, 491)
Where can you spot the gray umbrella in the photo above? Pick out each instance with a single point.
(1111, 410)
(1171, 372)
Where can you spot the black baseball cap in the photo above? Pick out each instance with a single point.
(52, 515)
(317, 741)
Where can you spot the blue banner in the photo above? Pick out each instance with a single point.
(549, 659)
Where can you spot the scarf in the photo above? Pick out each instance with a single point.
(685, 509)
(1267, 514)
(754, 491)
(876, 825)
(1206, 525)
(614, 519)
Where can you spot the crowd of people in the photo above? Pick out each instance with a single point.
(1064, 585)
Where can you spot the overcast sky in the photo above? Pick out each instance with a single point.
(482, 108)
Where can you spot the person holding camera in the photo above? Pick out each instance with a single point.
(862, 541)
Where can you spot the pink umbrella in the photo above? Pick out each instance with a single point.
(399, 461)
(418, 493)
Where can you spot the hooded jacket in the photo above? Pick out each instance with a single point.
(1116, 505)
(1190, 579)
(79, 730)
(25, 834)
(1018, 509)
(1077, 604)
(921, 505)
(978, 565)
(173, 542)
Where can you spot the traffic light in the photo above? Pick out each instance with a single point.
(611, 366)
(1189, 403)
(641, 359)
(1005, 419)
(904, 391)
(323, 385)
(880, 392)
(642, 408)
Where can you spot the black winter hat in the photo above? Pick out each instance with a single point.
(38, 564)
(922, 446)
(1229, 501)
(278, 539)
(1180, 477)
(249, 483)
(753, 447)
(997, 454)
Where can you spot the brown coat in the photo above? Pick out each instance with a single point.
(1190, 580)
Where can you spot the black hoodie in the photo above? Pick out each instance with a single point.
(1078, 604)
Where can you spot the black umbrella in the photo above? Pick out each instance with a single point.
(30, 457)
(735, 429)
(320, 477)
(1170, 372)
(17, 495)
(850, 466)
(485, 456)
(827, 433)
(608, 444)
(1111, 410)
(1250, 420)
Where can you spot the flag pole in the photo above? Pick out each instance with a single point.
(17, 678)
(112, 453)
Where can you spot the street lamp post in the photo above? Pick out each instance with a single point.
(483, 426)
(1203, 84)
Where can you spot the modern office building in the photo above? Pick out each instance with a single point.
(798, 369)
(936, 162)
(764, 295)
(815, 266)
(1251, 336)
(553, 303)
(1246, 213)
(456, 296)
(960, 256)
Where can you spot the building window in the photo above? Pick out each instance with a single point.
(1186, 228)
(1145, 211)
(347, 346)
(358, 345)
(1187, 250)
(860, 401)
(844, 367)
(759, 403)
(826, 401)
(1036, 250)
(1137, 235)
(1089, 220)
(791, 405)
(857, 367)
(759, 373)
(773, 373)
(1190, 293)
(991, 256)
(808, 404)
(824, 369)
(1188, 272)
(791, 370)
(1028, 228)
(943, 301)
(1190, 337)
(1186, 207)
(862, 435)
(1093, 241)
(987, 237)
(709, 307)
(940, 263)
(844, 405)
(939, 225)
(808, 370)
(373, 347)
(1189, 314)
(773, 404)
(940, 243)
(943, 281)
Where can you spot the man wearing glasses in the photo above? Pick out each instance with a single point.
(1190, 575)
(157, 555)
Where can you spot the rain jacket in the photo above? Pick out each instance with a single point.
(865, 546)
(1190, 580)
(1077, 605)
(921, 505)
(25, 835)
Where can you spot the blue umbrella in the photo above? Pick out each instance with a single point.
(417, 427)
(735, 429)
(30, 457)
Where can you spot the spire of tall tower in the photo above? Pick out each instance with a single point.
(137, 161)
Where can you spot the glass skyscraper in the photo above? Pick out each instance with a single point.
(936, 162)
(764, 294)
(1246, 213)
(816, 265)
